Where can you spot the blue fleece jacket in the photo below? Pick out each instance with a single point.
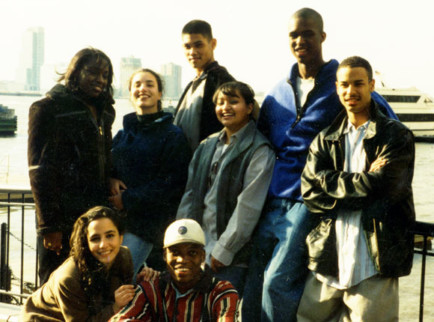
(291, 128)
(151, 157)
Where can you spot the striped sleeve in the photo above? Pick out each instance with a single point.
(224, 302)
(142, 307)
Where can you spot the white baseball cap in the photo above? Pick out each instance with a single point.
(184, 231)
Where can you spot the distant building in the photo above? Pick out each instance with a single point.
(32, 58)
(128, 66)
(171, 74)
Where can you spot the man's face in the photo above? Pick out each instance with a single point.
(184, 264)
(198, 50)
(354, 89)
(305, 40)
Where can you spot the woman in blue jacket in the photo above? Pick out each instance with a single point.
(150, 162)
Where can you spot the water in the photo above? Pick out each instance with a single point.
(13, 171)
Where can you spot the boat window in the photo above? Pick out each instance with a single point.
(401, 98)
(427, 100)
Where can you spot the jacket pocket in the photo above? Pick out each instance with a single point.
(321, 244)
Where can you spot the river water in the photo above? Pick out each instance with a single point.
(13, 172)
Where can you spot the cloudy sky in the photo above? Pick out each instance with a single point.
(396, 36)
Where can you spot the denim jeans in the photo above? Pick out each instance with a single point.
(278, 267)
(139, 249)
(234, 274)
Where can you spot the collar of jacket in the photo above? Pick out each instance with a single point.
(242, 144)
(131, 121)
(336, 130)
(326, 74)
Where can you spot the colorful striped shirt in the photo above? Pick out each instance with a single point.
(209, 300)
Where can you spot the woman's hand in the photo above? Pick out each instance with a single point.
(123, 295)
(146, 274)
(116, 186)
(216, 265)
(116, 201)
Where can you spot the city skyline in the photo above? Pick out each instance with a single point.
(252, 40)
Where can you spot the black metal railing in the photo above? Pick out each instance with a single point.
(19, 202)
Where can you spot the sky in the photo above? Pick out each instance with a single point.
(396, 36)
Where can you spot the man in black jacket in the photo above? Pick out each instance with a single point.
(357, 181)
(195, 113)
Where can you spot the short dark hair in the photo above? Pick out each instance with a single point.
(231, 89)
(306, 13)
(79, 61)
(198, 27)
(356, 61)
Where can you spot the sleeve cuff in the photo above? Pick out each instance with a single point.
(222, 254)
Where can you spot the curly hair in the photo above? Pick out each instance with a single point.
(78, 62)
(92, 271)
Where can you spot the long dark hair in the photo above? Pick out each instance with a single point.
(92, 271)
(81, 59)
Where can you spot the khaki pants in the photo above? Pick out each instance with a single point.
(375, 299)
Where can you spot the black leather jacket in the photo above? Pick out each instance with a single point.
(384, 196)
(69, 158)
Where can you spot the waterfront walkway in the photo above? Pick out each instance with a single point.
(9, 312)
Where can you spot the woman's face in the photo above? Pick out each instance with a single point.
(104, 240)
(93, 78)
(144, 93)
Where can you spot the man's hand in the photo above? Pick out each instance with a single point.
(53, 241)
(123, 295)
(216, 265)
(377, 164)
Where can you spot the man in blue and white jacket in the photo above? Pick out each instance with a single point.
(292, 114)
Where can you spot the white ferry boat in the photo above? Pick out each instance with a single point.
(414, 108)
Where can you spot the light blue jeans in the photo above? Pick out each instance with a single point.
(278, 267)
(139, 248)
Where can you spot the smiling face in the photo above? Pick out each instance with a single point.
(144, 93)
(354, 89)
(198, 50)
(93, 78)
(305, 39)
(184, 264)
(232, 112)
(104, 240)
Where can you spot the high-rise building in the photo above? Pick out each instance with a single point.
(32, 58)
(171, 74)
(128, 66)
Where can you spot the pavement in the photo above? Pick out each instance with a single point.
(9, 312)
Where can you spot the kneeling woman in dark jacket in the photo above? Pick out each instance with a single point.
(150, 160)
(94, 282)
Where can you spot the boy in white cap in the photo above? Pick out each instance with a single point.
(185, 290)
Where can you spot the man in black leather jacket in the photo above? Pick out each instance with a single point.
(357, 181)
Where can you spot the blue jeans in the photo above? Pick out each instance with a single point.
(278, 267)
(139, 249)
(234, 274)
